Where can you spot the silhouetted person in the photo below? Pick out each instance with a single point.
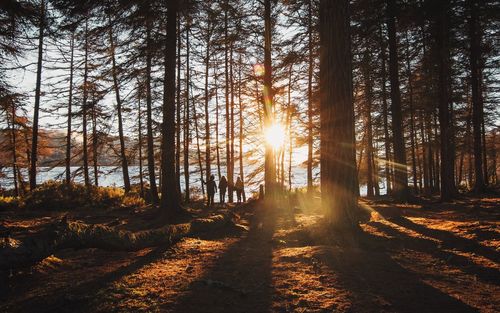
(239, 189)
(222, 189)
(211, 189)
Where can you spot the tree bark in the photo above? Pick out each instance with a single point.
(269, 166)
(309, 99)
(187, 132)
(400, 167)
(217, 152)
(385, 116)
(84, 108)
(140, 143)
(368, 94)
(207, 95)
(240, 154)
(477, 103)
(169, 197)
(93, 116)
(34, 140)
(338, 156)
(149, 118)
(178, 113)
(116, 87)
(70, 108)
(447, 155)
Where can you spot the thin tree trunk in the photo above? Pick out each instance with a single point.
(477, 103)
(70, 108)
(227, 89)
(425, 161)
(385, 116)
(123, 155)
(207, 120)
(230, 174)
(240, 154)
(139, 119)
(485, 155)
(84, 109)
(187, 132)
(368, 92)
(198, 150)
(217, 122)
(13, 143)
(290, 150)
(94, 138)
(401, 175)
(269, 167)
(412, 116)
(34, 141)
(178, 113)
(149, 118)
(309, 100)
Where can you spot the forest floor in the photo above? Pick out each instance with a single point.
(430, 257)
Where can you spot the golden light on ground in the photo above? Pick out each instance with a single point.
(275, 135)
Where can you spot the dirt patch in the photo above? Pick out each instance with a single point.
(409, 258)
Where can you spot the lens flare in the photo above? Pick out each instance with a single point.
(258, 70)
(275, 136)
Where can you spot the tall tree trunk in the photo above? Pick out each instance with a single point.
(368, 94)
(139, 129)
(477, 103)
(269, 167)
(412, 117)
(187, 131)
(385, 116)
(207, 100)
(84, 108)
(401, 173)
(34, 140)
(425, 161)
(240, 154)
(338, 156)
(12, 125)
(437, 158)
(230, 174)
(198, 150)
(149, 118)
(309, 99)
(169, 198)
(70, 108)
(447, 155)
(178, 113)
(116, 87)
(217, 151)
(290, 149)
(93, 115)
(227, 89)
(485, 155)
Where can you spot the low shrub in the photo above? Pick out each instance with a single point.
(53, 195)
(9, 203)
(133, 200)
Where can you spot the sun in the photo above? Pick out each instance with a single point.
(275, 136)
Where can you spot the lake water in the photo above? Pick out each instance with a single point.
(112, 176)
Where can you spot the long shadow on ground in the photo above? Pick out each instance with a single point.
(240, 280)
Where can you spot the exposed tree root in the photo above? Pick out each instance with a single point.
(77, 235)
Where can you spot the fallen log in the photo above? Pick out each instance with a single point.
(78, 235)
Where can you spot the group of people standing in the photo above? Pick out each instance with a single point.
(223, 185)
